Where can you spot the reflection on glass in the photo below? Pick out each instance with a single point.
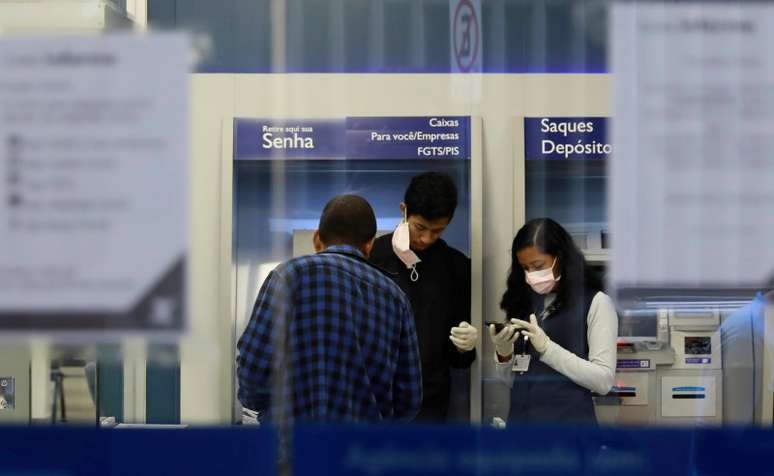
(742, 339)
(73, 377)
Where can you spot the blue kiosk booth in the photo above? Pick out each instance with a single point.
(283, 171)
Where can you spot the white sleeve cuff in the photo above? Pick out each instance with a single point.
(498, 362)
(503, 370)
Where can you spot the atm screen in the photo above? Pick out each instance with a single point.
(698, 345)
(641, 325)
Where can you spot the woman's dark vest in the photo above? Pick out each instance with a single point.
(542, 394)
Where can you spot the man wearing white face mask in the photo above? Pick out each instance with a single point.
(436, 278)
(560, 345)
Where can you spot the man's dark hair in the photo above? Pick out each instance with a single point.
(347, 220)
(431, 195)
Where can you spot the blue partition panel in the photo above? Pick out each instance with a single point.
(55, 451)
(541, 450)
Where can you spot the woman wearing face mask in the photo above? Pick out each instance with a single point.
(560, 346)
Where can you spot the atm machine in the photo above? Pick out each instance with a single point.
(285, 170)
(669, 368)
(689, 363)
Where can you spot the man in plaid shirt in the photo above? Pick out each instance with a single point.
(331, 337)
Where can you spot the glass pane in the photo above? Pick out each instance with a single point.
(684, 88)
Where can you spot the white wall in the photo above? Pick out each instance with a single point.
(501, 100)
(205, 386)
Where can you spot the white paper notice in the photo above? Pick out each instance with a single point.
(692, 180)
(93, 158)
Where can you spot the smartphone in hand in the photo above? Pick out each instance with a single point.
(499, 326)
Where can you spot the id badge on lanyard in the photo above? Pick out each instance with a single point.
(521, 361)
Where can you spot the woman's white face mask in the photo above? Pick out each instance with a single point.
(542, 281)
(401, 246)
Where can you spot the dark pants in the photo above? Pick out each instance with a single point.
(435, 413)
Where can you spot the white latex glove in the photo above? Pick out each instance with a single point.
(503, 341)
(532, 330)
(464, 336)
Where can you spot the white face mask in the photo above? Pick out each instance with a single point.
(401, 246)
(542, 281)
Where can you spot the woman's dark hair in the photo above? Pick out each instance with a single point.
(550, 238)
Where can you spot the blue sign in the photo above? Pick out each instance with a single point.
(566, 138)
(633, 364)
(84, 451)
(408, 137)
(448, 450)
(261, 139)
(379, 138)
(698, 360)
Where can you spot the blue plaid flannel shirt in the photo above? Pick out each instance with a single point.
(335, 338)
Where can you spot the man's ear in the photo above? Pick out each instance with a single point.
(318, 244)
(403, 209)
(366, 248)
